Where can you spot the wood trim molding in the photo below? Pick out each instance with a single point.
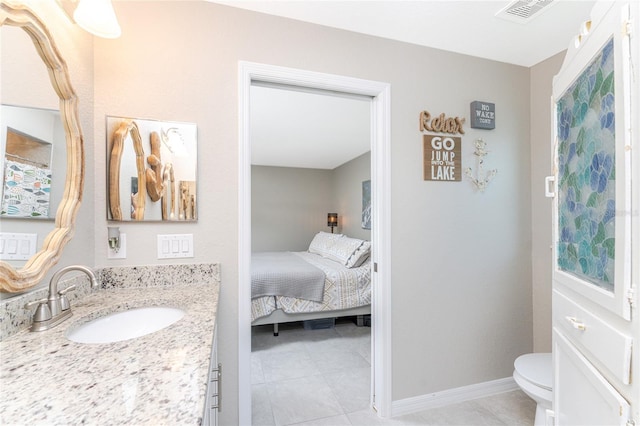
(452, 396)
(12, 279)
(138, 200)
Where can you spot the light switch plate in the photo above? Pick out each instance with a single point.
(172, 246)
(122, 251)
(17, 246)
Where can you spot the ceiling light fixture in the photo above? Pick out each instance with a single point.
(98, 18)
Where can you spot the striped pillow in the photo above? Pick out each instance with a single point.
(359, 255)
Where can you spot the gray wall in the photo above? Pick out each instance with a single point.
(461, 259)
(288, 207)
(347, 192)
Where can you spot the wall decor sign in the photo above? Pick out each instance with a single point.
(442, 159)
(441, 124)
(483, 115)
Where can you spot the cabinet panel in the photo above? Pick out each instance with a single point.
(582, 396)
(599, 339)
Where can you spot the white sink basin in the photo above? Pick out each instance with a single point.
(125, 325)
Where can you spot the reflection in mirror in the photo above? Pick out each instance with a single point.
(168, 203)
(33, 141)
(26, 46)
(25, 82)
(125, 135)
(152, 170)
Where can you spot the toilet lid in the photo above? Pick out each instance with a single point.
(536, 368)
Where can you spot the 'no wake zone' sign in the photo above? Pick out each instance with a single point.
(442, 160)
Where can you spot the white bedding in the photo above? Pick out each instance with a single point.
(344, 288)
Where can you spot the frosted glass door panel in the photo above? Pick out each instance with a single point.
(586, 172)
(592, 210)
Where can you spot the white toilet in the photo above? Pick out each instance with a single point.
(533, 373)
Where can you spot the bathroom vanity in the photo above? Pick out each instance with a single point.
(158, 378)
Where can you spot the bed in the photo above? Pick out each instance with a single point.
(286, 287)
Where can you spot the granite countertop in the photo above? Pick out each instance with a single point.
(155, 379)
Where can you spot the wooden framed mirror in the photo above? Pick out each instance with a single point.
(152, 170)
(14, 279)
(138, 198)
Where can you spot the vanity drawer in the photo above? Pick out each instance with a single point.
(593, 335)
(581, 395)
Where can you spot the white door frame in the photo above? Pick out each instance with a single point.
(381, 225)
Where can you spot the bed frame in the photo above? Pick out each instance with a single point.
(279, 316)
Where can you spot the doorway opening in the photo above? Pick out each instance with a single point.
(252, 74)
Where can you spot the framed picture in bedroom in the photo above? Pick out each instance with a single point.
(366, 204)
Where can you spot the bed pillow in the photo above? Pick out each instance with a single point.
(348, 251)
(359, 255)
(322, 244)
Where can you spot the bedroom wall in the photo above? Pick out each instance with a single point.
(541, 160)
(347, 189)
(461, 259)
(288, 207)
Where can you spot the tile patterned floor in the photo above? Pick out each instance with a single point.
(322, 378)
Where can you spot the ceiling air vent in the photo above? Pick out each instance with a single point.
(523, 11)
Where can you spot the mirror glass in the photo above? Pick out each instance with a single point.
(33, 143)
(151, 170)
(41, 152)
(35, 115)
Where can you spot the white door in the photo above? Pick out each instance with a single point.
(592, 301)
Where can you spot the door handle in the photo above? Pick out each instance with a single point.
(549, 186)
(576, 324)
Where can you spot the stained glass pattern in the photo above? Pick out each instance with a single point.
(586, 186)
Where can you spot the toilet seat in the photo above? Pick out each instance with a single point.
(536, 368)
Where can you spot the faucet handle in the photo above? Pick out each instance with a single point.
(28, 305)
(42, 313)
(64, 300)
(70, 288)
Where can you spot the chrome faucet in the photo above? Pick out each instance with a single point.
(56, 308)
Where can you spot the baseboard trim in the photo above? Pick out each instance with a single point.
(452, 396)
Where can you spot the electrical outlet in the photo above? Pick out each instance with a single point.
(122, 251)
